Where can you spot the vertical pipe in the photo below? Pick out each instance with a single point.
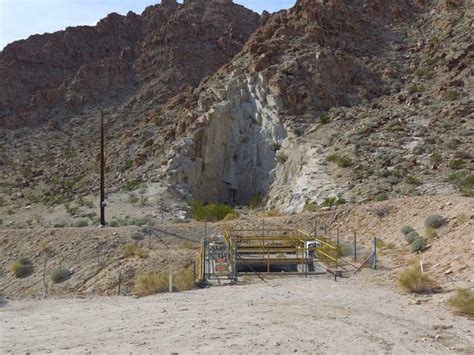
(119, 282)
(315, 228)
(374, 264)
(102, 171)
(337, 235)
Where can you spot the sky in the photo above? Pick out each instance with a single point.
(21, 18)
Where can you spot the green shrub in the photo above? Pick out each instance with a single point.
(415, 88)
(148, 143)
(380, 197)
(463, 302)
(22, 268)
(413, 280)
(150, 283)
(2, 201)
(451, 95)
(276, 146)
(418, 244)
(81, 223)
(457, 164)
(281, 158)
(132, 199)
(411, 236)
(434, 221)
(231, 216)
(255, 201)
(467, 186)
(127, 165)
(131, 185)
(436, 157)
(411, 180)
(210, 212)
(339, 160)
(310, 206)
(324, 119)
(406, 229)
(334, 201)
(60, 275)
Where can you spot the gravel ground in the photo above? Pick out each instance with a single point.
(301, 315)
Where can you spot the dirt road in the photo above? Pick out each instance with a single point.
(312, 315)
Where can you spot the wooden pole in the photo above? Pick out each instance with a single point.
(374, 260)
(102, 171)
(355, 246)
(337, 235)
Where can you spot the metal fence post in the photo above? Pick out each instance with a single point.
(355, 246)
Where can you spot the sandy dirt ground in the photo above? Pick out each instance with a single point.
(286, 315)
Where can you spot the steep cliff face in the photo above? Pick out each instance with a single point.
(151, 56)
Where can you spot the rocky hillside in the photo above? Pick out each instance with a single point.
(135, 59)
(328, 102)
(335, 98)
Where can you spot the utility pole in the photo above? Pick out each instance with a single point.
(102, 171)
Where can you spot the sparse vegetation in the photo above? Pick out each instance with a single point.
(324, 118)
(281, 158)
(413, 280)
(463, 302)
(211, 212)
(431, 233)
(133, 199)
(131, 185)
(410, 237)
(457, 164)
(411, 180)
(148, 143)
(255, 201)
(150, 283)
(419, 244)
(310, 206)
(436, 157)
(60, 275)
(339, 160)
(127, 165)
(415, 88)
(231, 216)
(451, 95)
(406, 229)
(22, 268)
(132, 249)
(81, 223)
(333, 201)
(380, 197)
(434, 221)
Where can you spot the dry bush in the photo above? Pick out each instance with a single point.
(381, 210)
(231, 216)
(274, 212)
(431, 233)
(132, 249)
(463, 302)
(150, 283)
(22, 268)
(189, 244)
(183, 280)
(413, 280)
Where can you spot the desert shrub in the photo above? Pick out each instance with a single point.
(467, 186)
(148, 143)
(255, 201)
(333, 201)
(132, 249)
(2, 201)
(462, 218)
(127, 165)
(276, 146)
(436, 157)
(380, 197)
(60, 275)
(457, 164)
(22, 268)
(132, 199)
(411, 180)
(210, 212)
(150, 283)
(281, 158)
(451, 95)
(231, 216)
(81, 223)
(413, 280)
(131, 185)
(431, 233)
(406, 229)
(183, 280)
(434, 221)
(310, 206)
(415, 88)
(418, 244)
(393, 180)
(141, 221)
(324, 119)
(410, 237)
(339, 160)
(189, 244)
(274, 212)
(463, 302)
